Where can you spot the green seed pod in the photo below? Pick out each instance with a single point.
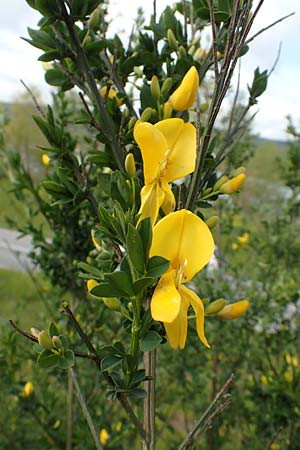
(172, 40)
(131, 122)
(182, 52)
(45, 340)
(215, 307)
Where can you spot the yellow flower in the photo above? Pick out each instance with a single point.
(288, 359)
(244, 240)
(186, 241)
(295, 361)
(234, 184)
(111, 94)
(45, 159)
(264, 380)
(185, 95)
(275, 446)
(288, 376)
(234, 310)
(103, 436)
(169, 152)
(28, 389)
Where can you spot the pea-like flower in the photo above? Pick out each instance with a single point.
(184, 96)
(169, 153)
(234, 310)
(186, 241)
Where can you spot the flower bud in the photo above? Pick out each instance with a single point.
(185, 95)
(237, 171)
(45, 159)
(172, 40)
(199, 54)
(35, 332)
(112, 303)
(182, 52)
(130, 165)
(234, 310)
(191, 50)
(132, 122)
(146, 114)
(91, 284)
(215, 307)
(138, 71)
(204, 107)
(212, 222)
(167, 84)
(94, 18)
(57, 342)
(27, 389)
(45, 340)
(233, 185)
(167, 110)
(96, 241)
(103, 436)
(154, 87)
(220, 182)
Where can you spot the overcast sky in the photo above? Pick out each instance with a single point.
(19, 59)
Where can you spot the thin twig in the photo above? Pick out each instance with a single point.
(69, 405)
(276, 60)
(273, 439)
(149, 402)
(120, 396)
(108, 128)
(35, 339)
(214, 39)
(184, 10)
(33, 99)
(268, 27)
(205, 419)
(93, 121)
(85, 410)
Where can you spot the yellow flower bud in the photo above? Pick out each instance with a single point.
(103, 436)
(96, 241)
(234, 246)
(154, 87)
(45, 159)
(275, 446)
(264, 380)
(185, 95)
(215, 307)
(233, 185)
(91, 284)
(219, 54)
(288, 359)
(130, 165)
(45, 340)
(234, 310)
(28, 389)
(146, 114)
(118, 426)
(172, 40)
(56, 425)
(244, 240)
(191, 50)
(167, 110)
(204, 107)
(288, 376)
(138, 71)
(198, 55)
(212, 222)
(237, 171)
(109, 92)
(295, 361)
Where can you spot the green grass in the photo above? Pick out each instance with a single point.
(266, 161)
(9, 207)
(19, 299)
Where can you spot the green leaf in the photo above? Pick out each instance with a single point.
(67, 360)
(53, 330)
(157, 266)
(47, 359)
(121, 281)
(150, 341)
(137, 393)
(49, 56)
(109, 362)
(55, 77)
(135, 248)
(142, 283)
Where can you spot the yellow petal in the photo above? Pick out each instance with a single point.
(185, 95)
(177, 330)
(165, 302)
(152, 197)
(169, 203)
(153, 146)
(181, 140)
(91, 284)
(234, 310)
(185, 240)
(198, 307)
